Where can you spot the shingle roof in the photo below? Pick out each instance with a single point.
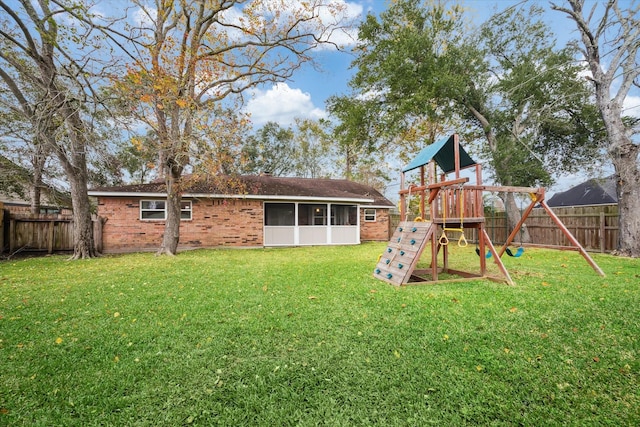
(256, 186)
(591, 192)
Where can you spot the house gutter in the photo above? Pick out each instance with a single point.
(236, 196)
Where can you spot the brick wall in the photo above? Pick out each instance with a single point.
(378, 230)
(214, 223)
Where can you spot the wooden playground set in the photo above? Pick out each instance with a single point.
(455, 208)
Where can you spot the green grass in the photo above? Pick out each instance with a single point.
(306, 336)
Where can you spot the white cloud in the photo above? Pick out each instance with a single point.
(144, 17)
(631, 106)
(282, 104)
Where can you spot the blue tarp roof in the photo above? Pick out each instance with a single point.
(443, 153)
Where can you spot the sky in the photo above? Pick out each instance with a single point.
(306, 93)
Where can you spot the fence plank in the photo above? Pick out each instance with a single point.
(595, 227)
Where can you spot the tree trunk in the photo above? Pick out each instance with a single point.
(83, 244)
(35, 198)
(38, 160)
(514, 214)
(172, 225)
(628, 177)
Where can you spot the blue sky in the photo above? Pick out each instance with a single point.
(305, 95)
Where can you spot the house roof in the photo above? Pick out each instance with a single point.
(15, 182)
(443, 152)
(264, 187)
(596, 191)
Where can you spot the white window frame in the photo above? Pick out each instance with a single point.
(367, 214)
(186, 209)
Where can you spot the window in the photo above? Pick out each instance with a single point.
(312, 214)
(370, 215)
(157, 209)
(279, 214)
(344, 215)
(185, 209)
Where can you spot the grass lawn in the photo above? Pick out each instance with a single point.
(307, 336)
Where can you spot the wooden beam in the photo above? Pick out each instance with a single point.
(496, 258)
(508, 189)
(437, 185)
(520, 223)
(403, 202)
(572, 239)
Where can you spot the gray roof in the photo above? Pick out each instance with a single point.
(596, 191)
(257, 186)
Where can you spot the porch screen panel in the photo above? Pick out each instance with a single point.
(279, 214)
(344, 215)
(312, 214)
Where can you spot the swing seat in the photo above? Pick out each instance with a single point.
(487, 256)
(517, 254)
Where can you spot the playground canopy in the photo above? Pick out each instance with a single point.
(443, 152)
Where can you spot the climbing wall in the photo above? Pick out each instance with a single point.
(400, 257)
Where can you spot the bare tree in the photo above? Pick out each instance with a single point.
(194, 60)
(610, 45)
(53, 62)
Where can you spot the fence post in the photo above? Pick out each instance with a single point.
(97, 233)
(12, 232)
(50, 237)
(603, 236)
(1, 227)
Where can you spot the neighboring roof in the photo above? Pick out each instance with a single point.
(444, 155)
(262, 187)
(15, 182)
(596, 191)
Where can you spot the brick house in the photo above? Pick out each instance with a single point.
(244, 211)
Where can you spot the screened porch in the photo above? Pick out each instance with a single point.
(297, 224)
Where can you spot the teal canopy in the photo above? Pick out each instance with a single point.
(444, 155)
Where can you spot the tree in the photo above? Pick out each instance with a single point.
(420, 64)
(312, 152)
(302, 150)
(198, 58)
(270, 150)
(137, 160)
(610, 46)
(23, 148)
(46, 68)
(354, 136)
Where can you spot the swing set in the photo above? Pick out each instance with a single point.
(455, 207)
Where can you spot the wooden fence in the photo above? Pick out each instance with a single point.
(595, 227)
(40, 233)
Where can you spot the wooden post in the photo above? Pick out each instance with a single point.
(422, 193)
(1, 227)
(603, 236)
(403, 201)
(434, 251)
(456, 154)
(12, 232)
(572, 239)
(496, 259)
(97, 233)
(52, 226)
(512, 236)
